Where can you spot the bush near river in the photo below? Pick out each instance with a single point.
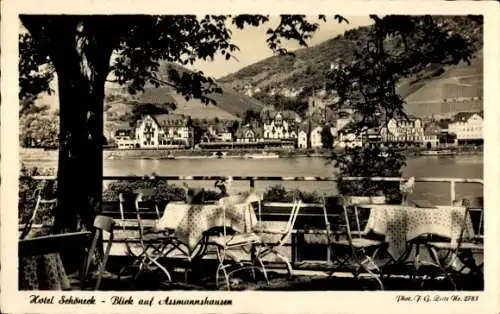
(164, 193)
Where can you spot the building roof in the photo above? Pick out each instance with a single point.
(171, 119)
(465, 116)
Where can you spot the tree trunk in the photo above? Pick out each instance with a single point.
(80, 165)
(80, 168)
(81, 82)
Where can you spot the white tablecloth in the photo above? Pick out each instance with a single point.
(401, 224)
(189, 221)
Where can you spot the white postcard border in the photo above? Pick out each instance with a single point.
(13, 301)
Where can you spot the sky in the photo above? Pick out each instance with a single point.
(253, 48)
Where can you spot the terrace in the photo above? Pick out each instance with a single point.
(315, 266)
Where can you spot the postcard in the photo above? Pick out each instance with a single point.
(250, 157)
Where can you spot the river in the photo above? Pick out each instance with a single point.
(429, 166)
(463, 166)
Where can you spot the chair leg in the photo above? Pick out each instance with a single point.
(371, 273)
(256, 258)
(221, 267)
(285, 260)
(435, 256)
(160, 266)
(264, 271)
(103, 266)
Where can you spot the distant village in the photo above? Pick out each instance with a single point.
(288, 130)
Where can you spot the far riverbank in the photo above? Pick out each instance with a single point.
(159, 154)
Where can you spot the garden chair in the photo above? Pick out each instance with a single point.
(247, 242)
(151, 245)
(267, 248)
(459, 257)
(101, 224)
(356, 246)
(157, 239)
(41, 203)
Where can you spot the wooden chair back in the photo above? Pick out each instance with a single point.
(101, 224)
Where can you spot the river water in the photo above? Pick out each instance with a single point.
(428, 166)
(470, 166)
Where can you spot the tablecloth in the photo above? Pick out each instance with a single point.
(42, 272)
(190, 221)
(401, 224)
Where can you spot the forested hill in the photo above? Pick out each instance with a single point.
(310, 65)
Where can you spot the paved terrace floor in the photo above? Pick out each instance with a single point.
(203, 278)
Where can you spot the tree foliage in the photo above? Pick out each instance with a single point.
(87, 50)
(250, 116)
(140, 43)
(371, 161)
(368, 83)
(397, 47)
(39, 128)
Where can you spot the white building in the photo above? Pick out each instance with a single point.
(349, 139)
(346, 137)
(163, 131)
(432, 133)
(245, 135)
(468, 127)
(126, 143)
(125, 138)
(302, 139)
(409, 130)
(279, 128)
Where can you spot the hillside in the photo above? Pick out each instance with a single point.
(310, 66)
(230, 104)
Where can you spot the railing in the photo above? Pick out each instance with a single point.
(273, 213)
(252, 179)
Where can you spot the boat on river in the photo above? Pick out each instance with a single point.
(263, 155)
(443, 153)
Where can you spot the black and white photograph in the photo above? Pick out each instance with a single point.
(250, 152)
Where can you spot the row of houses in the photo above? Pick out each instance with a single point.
(169, 131)
(463, 128)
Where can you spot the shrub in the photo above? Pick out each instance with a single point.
(278, 193)
(369, 162)
(164, 192)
